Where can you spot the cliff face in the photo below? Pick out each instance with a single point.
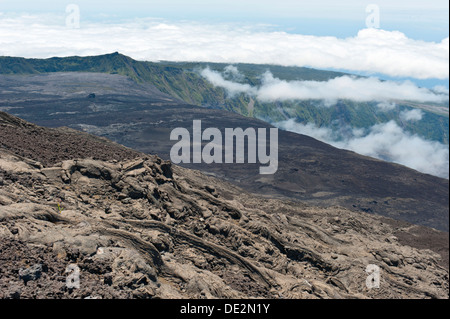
(135, 226)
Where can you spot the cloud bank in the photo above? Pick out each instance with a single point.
(371, 50)
(386, 141)
(345, 87)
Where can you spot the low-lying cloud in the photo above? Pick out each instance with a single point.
(386, 106)
(360, 89)
(371, 50)
(386, 141)
(231, 87)
(411, 115)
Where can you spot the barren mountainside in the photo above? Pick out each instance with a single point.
(185, 82)
(139, 227)
(141, 117)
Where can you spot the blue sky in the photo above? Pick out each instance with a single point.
(425, 20)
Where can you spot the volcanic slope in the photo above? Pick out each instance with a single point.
(137, 226)
(141, 117)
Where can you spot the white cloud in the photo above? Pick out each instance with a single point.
(231, 87)
(441, 89)
(386, 106)
(371, 50)
(385, 141)
(344, 87)
(411, 115)
(232, 72)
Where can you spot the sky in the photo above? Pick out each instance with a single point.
(405, 40)
(425, 20)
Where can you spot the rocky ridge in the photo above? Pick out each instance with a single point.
(140, 227)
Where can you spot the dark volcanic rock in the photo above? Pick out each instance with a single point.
(180, 237)
(31, 273)
(49, 146)
(45, 277)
